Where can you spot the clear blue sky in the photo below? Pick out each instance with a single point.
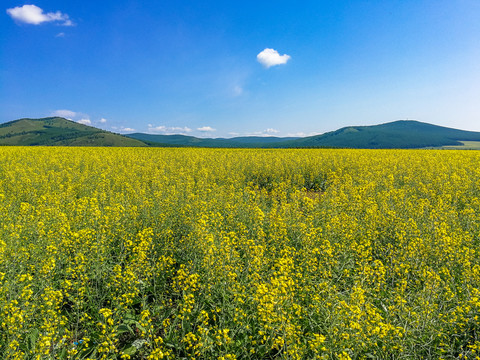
(192, 66)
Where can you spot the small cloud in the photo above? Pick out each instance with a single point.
(168, 130)
(264, 133)
(67, 114)
(122, 129)
(298, 134)
(237, 90)
(271, 57)
(206, 129)
(271, 131)
(302, 134)
(85, 122)
(31, 14)
(62, 34)
(79, 117)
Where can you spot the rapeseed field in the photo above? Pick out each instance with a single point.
(239, 254)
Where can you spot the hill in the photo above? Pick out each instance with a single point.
(236, 142)
(56, 131)
(401, 134)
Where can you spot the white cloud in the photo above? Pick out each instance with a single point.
(31, 14)
(62, 34)
(122, 129)
(264, 133)
(302, 134)
(168, 130)
(271, 57)
(85, 121)
(79, 117)
(298, 134)
(67, 114)
(206, 129)
(271, 131)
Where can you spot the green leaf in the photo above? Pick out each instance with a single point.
(32, 337)
(130, 351)
(124, 328)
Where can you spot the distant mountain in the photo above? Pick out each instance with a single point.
(184, 140)
(402, 134)
(56, 131)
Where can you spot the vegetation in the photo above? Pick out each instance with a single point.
(401, 134)
(192, 141)
(169, 253)
(395, 135)
(57, 131)
(466, 145)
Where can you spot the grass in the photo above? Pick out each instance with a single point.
(466, 145)
(59, 132)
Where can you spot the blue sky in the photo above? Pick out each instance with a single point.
(195, 67)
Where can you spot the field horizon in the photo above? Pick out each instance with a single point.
(400, 134)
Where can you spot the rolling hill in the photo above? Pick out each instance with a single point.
(56, 131)
(401, 134)
(236, 142)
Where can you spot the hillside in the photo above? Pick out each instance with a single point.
(402, 134)
(184, 140)
(56, 131)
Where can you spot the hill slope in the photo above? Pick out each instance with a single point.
(56, 131)
(184, 140)
(402, 134)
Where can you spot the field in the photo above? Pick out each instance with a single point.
(153, 253)
(467, 145)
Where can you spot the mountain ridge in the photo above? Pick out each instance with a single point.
(401, 134)
(186, 140)
(57, 131)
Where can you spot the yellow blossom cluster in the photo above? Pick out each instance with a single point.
(152, 253)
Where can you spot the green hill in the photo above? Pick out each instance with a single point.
(402, 134)
(56, 131)
(184, 140)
